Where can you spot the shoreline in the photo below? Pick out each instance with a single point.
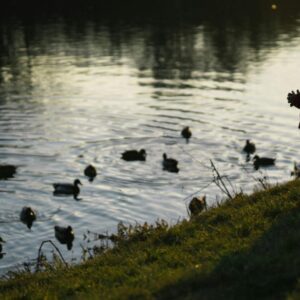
(246, 247)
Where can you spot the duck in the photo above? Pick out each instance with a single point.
(249, 148)
(65, 235)
(7, 171)
(197, 205)
(132, 155)
(186, 132)
(262, 161)
(170, 164)
(1, 242)
(91, 172)
(27, 216)
(296, 171)
(67, 188)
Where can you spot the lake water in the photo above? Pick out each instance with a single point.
(81, 91)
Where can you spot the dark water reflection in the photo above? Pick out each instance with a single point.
(78, 91)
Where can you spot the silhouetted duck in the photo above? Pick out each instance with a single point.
(1, 242)
(170, 164)
(186, 132)
(296, 171)
(65, 235)
(27, 216)
(249, 148)
(132, 155)
(91, 172)
(262, 161)
(197, 205)
(7, 171)
(67, 188)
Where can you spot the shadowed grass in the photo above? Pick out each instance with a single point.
(247, 248)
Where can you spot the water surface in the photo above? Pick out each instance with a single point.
(75, 92)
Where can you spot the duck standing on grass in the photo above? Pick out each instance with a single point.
(27, 216)
(132, 155)
(67, 188)
(65, 235)
(170, 164)
(90, 172)
(186, 133)
(262, 162)
(197, 205)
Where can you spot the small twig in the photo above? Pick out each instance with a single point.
(193, 158)
(87, 250)
(40, 253)
(219, 181)
(197, 192)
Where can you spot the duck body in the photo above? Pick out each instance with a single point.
(132, 155)
(91, 172)
(1, 241)
(263, 161)
(249, 148)
(197, 205)
(296, 171)
(186, 132)
(27, 216)
(7, 171)
(65, 235)
(170, 164)
(67, 188)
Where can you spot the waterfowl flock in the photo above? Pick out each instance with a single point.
(65, 235)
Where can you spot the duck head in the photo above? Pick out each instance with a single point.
(31, 217)
(256, 157)
(77, 182)
(143, 153)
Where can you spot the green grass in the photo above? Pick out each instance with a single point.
(247, 248)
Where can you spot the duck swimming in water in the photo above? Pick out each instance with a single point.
(7, 171)
(262, 162)
(186, 133)
(65, 235)
(132, 155)
(170, 164)
(91, 172)
(296, 171)
(1, 241)
(249, 148)
(27, 216)
(67, 188)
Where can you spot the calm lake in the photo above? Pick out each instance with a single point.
(78, 91)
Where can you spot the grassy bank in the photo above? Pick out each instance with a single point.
(247, 248)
